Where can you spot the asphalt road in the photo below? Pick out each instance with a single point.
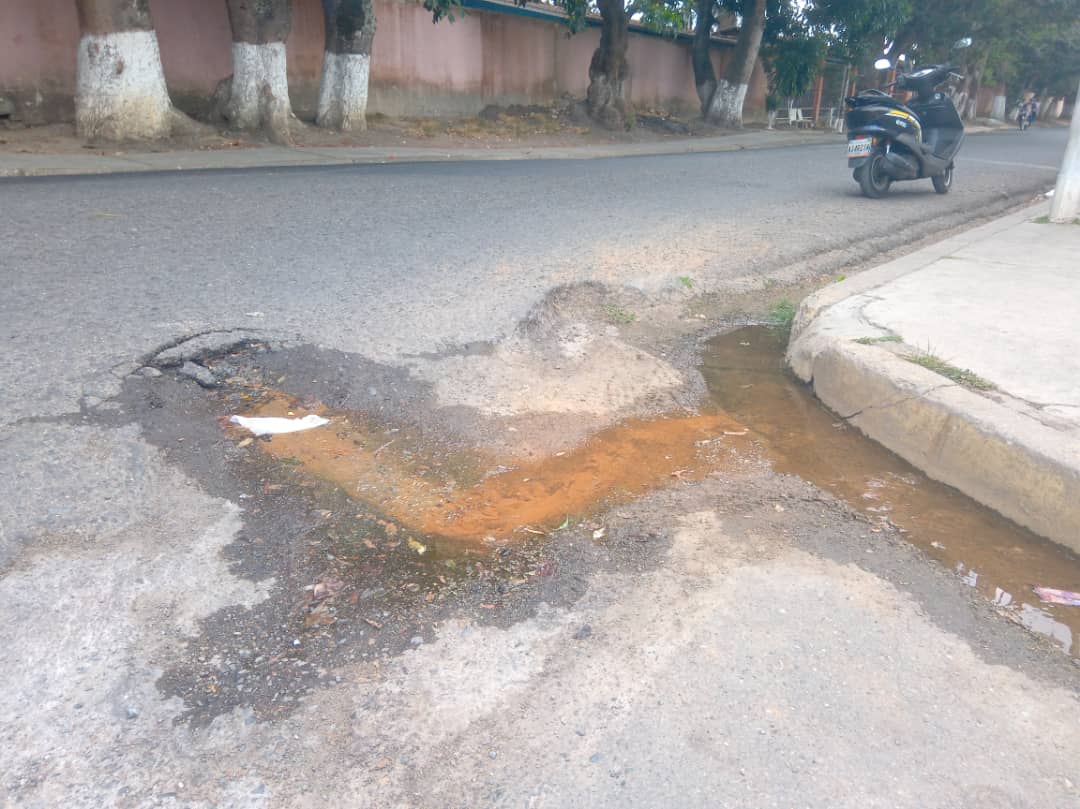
(391, 260)
(744, 641)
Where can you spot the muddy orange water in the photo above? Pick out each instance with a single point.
(392, 473)
(470, 498)
(747, 377)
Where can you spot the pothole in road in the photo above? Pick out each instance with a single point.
(389, 521)
(452, 502)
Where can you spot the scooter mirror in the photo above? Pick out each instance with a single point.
(882, 64)
(962, 43)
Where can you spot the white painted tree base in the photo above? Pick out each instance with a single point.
(997, 109)
(1066, 205)
(259, 94)
(343, 92)
(120, 88)
(726, 107)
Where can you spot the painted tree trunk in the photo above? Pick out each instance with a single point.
(1048, 110)
(120, 88)
(259, 90)
(1066, 204)
(973, 86)
(997, 109)
(726, 105)
(343, 91)
(608, 67)
(701, 53)
(960, 94)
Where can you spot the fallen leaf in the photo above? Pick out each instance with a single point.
(320, 616)
(419, 547)
(381, 764)
(373, 622)
(245, 442)
(545, 569)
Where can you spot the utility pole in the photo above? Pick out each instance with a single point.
(1066, 205)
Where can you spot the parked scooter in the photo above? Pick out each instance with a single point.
(889, 141)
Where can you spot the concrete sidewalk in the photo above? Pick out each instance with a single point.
(999, 301)
(28, 164)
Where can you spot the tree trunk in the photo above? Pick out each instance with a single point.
(726, 105)
(1047, 104)
(343, 92)
(1066, 204)
(997, 111)
(973, 87)
(259, 90)
(976, 91)
(701, 53)
(120, 88)
(608, 67)
(902, 42)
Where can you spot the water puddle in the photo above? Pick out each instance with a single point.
(450, 501)
(473, 498)
(747, 378)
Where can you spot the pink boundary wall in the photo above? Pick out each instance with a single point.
(417, 68)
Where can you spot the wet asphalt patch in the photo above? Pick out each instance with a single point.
(353, 585)
(350, 586)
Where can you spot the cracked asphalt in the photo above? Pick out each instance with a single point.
(387, 261)
(188, 622)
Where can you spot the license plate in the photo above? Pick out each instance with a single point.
(859, 147)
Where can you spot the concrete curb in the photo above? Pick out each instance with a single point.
(996, 455)
(47, 165)
(269, 156)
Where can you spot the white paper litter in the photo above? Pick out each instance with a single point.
(273, 425)
(1049, 193)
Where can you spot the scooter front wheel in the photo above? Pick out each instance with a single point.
(872, 179)
(943, 182)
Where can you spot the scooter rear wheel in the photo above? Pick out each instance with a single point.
(872, 179)
(943, 182)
